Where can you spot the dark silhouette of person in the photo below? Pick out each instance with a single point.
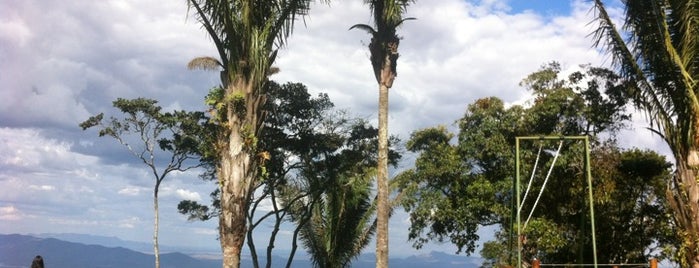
(38, 262)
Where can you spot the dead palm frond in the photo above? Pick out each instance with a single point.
(204, 63)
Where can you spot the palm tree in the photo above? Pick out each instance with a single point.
(388, 16)
(341, 222)
(337, 220)
(660, 58)
(247, 34)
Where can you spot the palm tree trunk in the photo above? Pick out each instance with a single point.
(233, 204)
(382, 212)
(156, 223)
(236, 173)
(684, 200)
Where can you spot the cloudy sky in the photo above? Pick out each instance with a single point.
(63, 61)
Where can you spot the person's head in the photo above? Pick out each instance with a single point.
(38, 262)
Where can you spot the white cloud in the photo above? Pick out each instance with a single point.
(10, 213)
(85, 173)
(205, 231)
(27, 148)
(42, 187)
(130, 191)
(454, 53)
(188, 195)
(74, 222)
(129, 223)
(13, 29)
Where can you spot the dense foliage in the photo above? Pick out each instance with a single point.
(454, 189)
(317, 175)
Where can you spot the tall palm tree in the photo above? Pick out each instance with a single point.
(388, 16)
(247, 34)
(660, 57)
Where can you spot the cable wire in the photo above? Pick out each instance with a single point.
(558, 152)
(529, 185)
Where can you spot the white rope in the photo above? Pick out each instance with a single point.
(529, 185)
(544, 185)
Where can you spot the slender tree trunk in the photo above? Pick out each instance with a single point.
(382, 211)
(156, 223)
(684, 199)
(251, 244)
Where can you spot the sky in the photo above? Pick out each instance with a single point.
(63, 61)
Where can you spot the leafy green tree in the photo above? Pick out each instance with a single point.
(456, 188)
(148, 133)
(388, 16)
(631, 195)
(660, 59)
(247, 34)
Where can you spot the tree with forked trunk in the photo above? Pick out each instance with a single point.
(147, 132)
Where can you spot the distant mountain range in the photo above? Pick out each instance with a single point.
(110, 252)
(19, 250)
(111, 241)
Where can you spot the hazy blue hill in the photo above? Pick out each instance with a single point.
(107, 241)
(19, 250)
(110, 241)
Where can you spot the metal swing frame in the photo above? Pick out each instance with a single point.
(517, 191)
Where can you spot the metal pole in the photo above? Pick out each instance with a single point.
(517, 194)
(592, 203)
(513, 216)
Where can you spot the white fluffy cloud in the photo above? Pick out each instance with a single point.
(27, 148)
(130, 190)
(454, 53)
(46, 188)
(188, 195)
(9, 213)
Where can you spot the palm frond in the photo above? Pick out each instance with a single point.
(207, 24)
(283, 26)
(204, 63)
(273, 70)
(364, 27)
(687, 19)
(644, 94)
(403, 20)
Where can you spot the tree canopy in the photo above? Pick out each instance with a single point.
(317, 175)
(456, 187)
